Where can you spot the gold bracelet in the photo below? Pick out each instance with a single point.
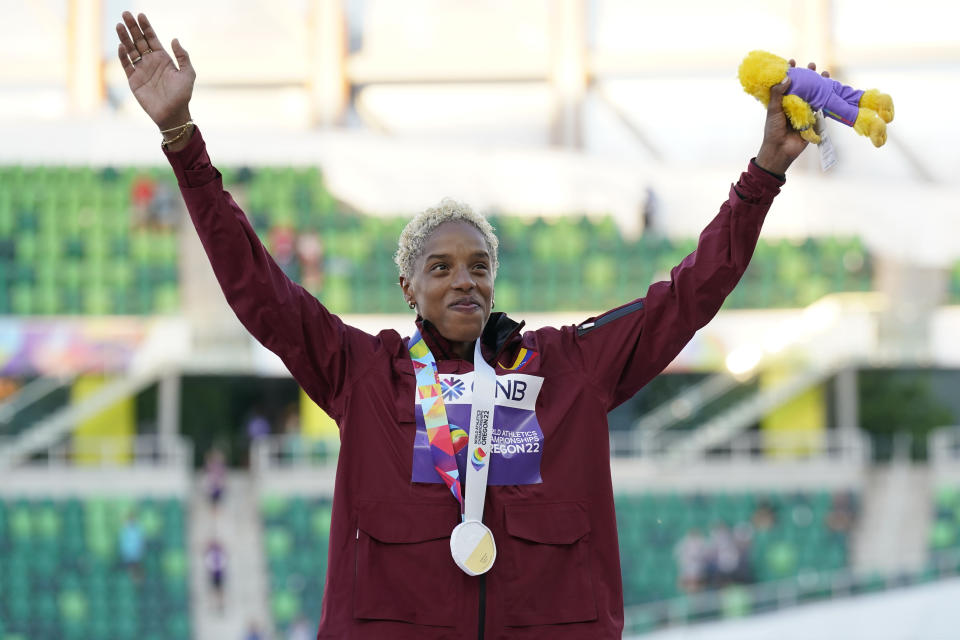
(165, 143)
(185, 124)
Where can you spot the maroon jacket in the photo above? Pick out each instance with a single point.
(390, 574)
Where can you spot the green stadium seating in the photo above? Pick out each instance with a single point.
(61, 231)
(945, 529)
(60, 576)
(652, 524)
(296, 532)
(70, 243)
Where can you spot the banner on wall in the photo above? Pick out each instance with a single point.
(58, 346)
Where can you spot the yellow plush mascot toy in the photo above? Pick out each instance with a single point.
(868, 112)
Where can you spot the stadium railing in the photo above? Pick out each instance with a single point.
(47, 431)
(945, 447)
(839, 446)
(144, 450)
(144, 464)
(292, 452)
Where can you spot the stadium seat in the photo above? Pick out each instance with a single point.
(651, 525)
(83, 219)
(59, 568)
(295, 528)
(735, 602)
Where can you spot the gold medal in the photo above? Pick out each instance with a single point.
(472, 547)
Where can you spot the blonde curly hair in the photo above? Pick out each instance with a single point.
(414, 235)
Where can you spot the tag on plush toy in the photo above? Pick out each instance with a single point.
(828, 154)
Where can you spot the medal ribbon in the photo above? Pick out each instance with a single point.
(481, 433)
(429, 395)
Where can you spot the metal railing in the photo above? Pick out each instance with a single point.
(52, 429)
(29, 394)
(687, 402)
(291, 451)
(720, 428)
(839, 445)
(112, 452)
(944, 446)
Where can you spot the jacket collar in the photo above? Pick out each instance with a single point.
(496, 336)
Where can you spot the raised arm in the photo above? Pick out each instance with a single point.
(321, 352)
(625, 348)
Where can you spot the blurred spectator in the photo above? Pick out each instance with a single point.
(651, 213)
(131, 546)
(300, 630)
(244, 176)
(257, 425)
(253, 632)
(764, 517)
(691, 555)
(155, 204)
(743, 538)
(723, 556)
(215, 469)
(840, 516)
(215, 562)
(291, 419)
(258, 428)
(283, 244)
(162, 208)
(310, 254)
(141, 193)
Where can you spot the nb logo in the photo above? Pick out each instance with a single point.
(511, 390)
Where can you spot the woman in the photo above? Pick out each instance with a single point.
(549, 500)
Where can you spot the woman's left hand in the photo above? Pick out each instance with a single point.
(781, 143)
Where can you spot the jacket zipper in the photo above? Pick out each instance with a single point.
(483, 606)
(587, 327)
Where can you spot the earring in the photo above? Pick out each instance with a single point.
(412, 305)
(493, 304)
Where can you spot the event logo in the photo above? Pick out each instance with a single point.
(459, 438)
(452, 388)
(479, 458)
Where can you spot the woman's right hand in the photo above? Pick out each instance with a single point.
(161, 88)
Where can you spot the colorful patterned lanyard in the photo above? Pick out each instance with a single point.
(471, 542)
(430, 398)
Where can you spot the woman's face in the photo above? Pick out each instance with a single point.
(452, 282)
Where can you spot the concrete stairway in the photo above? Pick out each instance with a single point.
(236, 524)
(892, 535)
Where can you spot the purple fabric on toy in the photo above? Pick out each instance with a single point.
(838, 101)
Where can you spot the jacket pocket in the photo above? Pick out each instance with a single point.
(403, 566)
(548, 577)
